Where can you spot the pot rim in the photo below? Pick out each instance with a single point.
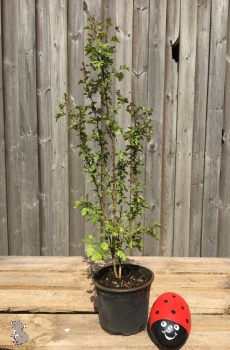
(121, 291)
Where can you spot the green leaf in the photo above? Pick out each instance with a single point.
(77, 203)
(90, 251)
(94, 220)
(121, 255)
(104, 246)
(125, 67)
(97, 64)
(87, 240)
(88, 27)
(119, 75)
(115, 39)
(96, 256)
(59, 115)
(118, 132)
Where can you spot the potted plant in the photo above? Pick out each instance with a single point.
(122, 289)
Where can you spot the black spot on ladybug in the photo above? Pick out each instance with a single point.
(173, 311)
(157, 312)
(182, 307)
(187, 320)
(174, 296)
(165, 301)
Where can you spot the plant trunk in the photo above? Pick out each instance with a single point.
(120, 269)
(117, 273)
(114, 267)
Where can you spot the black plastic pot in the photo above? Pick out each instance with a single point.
(123, 311)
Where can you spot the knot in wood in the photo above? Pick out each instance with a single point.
(75, 36)
(153, 206)
(152, 147)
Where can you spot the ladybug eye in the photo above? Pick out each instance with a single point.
(176, 327)
(163, 324)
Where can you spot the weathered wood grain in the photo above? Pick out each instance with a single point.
(58, 331)
(76, 177)
(19, 71)
(54, 300)
(163, 265)
(108, 10)
(40, 287)
(186, 88)
(156, 79)
(28, 128)
(91, 8)
(79, 282)
(64, 284)
(42, 49)
(169, 131)
(44, 125)
(140, 48)
(217, 64)
(140, 75)
(53, 137)
(3, 203)
(124, 56)
(10, 26)
(60, 169)
(199, 126)
(223, 243)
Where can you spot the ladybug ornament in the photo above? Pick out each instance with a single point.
(169, 321)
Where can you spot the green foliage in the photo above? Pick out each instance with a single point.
(113, 172)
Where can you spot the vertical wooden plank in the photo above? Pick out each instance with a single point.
(12, 125)
(186, 87)
(44, 123)
(3, 203)
(108, 10)
(19, 71)
(60, 180)
(223, 242)
(28, 127)
(140, 72)
(124, 56)
(53, 137)
(124, 32)
(169, 129)
(214, 126)
(91, 8)
(76, 177)
(200, 109)
(140, 52)
(156, 79)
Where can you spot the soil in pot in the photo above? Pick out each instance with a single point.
(131, 278)
(123, 304)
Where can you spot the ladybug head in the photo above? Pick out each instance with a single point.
(168, 334)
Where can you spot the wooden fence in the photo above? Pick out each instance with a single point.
(179, 54)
